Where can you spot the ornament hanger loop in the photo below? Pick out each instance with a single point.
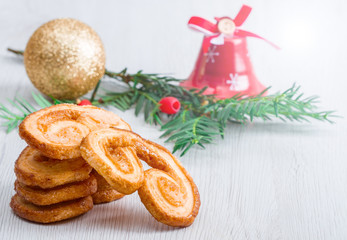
(224, 25)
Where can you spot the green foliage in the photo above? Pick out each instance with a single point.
(24, 107)
(201, 119)
(187, 129)
(289, 105)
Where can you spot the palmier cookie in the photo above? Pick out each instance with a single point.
(39, 196)
(120, 166)
(57, 131)
(50, 213)
(105, 192)
(34, 169)
(168, 191)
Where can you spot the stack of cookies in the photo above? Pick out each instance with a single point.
(51, 186)
(50, 190)
(69, 146)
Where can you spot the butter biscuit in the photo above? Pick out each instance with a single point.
(167, 191)
(70, 191)
(34, 169)
(57, 131)
(50, 213)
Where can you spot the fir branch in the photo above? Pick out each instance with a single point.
(187, 129)
(287, 105)
(202, 117)
(12, 120)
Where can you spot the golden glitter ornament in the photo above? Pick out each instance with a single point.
(64, 58)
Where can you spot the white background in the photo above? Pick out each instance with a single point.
(265, 180)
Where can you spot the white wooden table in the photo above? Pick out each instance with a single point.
(265, 180)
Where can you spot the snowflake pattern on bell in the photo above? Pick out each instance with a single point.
(237, 83)
(211, 54)
(232, 81)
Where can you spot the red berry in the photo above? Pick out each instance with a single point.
(169, 105)
(84, 102)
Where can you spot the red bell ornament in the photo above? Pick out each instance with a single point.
(223, 64)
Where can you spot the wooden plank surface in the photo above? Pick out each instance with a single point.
(264, 180)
